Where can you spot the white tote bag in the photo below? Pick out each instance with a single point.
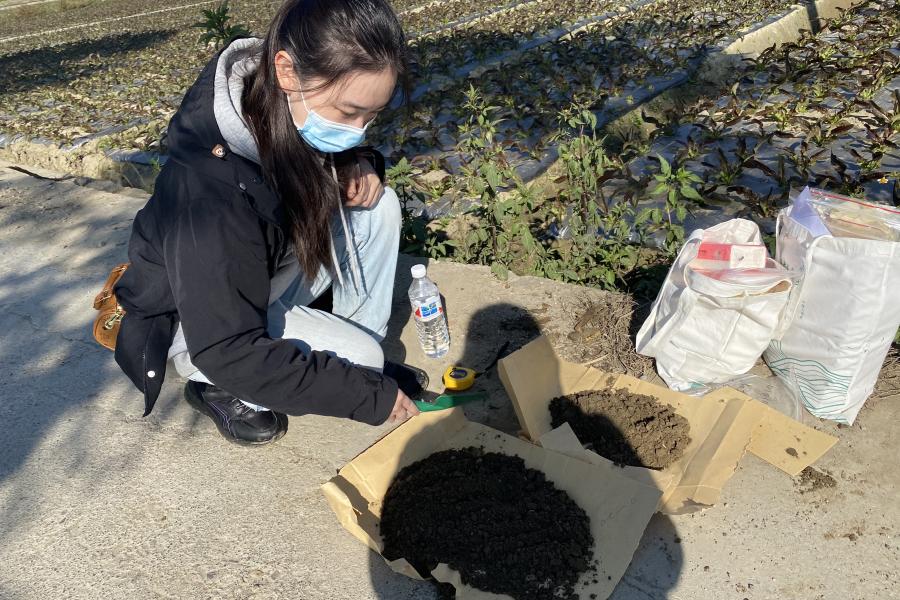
(841, 319)
(706, 329)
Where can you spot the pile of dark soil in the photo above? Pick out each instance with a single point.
(628, 429)
(502, 526)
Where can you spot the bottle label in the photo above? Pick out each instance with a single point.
(429, 308)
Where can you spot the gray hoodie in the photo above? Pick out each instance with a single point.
(238, 60)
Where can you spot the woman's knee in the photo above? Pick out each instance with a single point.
(388, 209)
(312, 329)
(363, 351)
(373, 222)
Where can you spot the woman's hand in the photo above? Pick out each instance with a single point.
(362, 187)
(404, 408)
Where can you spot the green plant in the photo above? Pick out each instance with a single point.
(502, 238)
(867, 165)
(819, 91)
(726, 171)
(822, 134)
(215, 26)
(155, 166)
(848, 182)
(586, 164)
(677, 183)
(416, 236)
(412, 229)
(880, 140)
(477, 135)
(781, 114)
(826, 52)
(764, 206)
(804, 159)
(886, 119)
(690, 149)
(598, 248)
(713, 130)
(630, 140)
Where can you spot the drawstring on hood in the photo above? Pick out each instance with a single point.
(237, 61)
(355, 271)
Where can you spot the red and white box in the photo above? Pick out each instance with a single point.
(717, 256)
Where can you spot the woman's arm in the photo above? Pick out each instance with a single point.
(217, 260)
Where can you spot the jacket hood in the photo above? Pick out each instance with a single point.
(195, 139)
(210, 119)
(210, 113)
(239, 59)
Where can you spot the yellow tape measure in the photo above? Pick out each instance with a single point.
(459, 378)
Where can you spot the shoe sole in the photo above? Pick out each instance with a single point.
(200, 406)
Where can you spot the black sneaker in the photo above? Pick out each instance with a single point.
(412, 380)
(236, 421)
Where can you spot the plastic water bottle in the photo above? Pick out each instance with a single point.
(431, 322)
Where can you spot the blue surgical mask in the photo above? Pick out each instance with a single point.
(328, 136)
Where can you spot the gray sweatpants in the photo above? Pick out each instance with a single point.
(359, 318)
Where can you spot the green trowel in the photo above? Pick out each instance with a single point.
(445, 401)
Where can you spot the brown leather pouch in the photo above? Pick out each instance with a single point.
(109, 317)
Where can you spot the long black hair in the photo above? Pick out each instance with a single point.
(327, 40)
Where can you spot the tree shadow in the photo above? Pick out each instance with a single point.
(53, 370)
(57, 65)
(656, 565)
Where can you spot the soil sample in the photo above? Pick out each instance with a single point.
(812, 480)
(628, 429)
(505, 528)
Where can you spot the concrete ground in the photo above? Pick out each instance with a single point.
(97, 502)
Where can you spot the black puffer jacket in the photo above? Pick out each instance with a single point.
(202, 251)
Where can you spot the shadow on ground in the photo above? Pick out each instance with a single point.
(58, 65)
(55, 256)
(492, 332)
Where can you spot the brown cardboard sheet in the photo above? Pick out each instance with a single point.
(723, 425)
(619, 506)
(786, 444)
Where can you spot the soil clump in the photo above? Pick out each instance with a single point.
(628, 429)
(504, 527)
(813, 480)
